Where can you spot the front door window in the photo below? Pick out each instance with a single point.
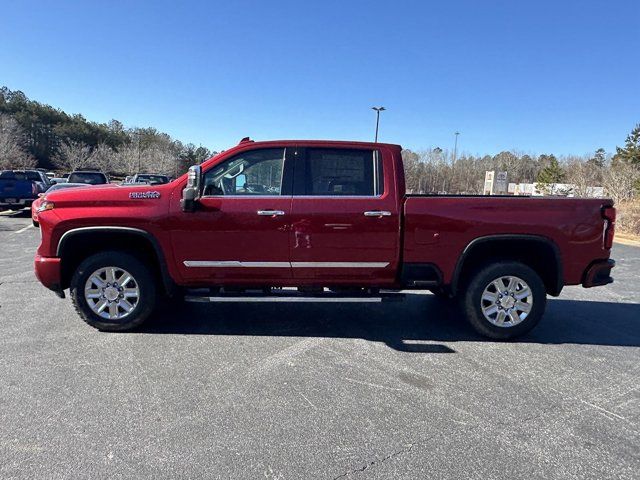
(253, 173)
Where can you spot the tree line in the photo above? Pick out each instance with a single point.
(438, 171)
(33, 134)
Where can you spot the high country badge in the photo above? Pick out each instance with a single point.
(140, 195)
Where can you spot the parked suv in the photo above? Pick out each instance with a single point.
(148, 178)
(89, 178)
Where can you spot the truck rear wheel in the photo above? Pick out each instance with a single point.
(504, 300)
(113, 291)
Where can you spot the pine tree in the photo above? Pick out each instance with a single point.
(552, 173)
(598, 159)
(631, 151)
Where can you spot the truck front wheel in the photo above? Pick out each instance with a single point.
(504, 300)
(113, 291)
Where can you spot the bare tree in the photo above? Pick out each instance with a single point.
(412, 165)
(13, 153)
(73, 155)
(583, 175)
(128, 158)
(620, 180)
(160, 158)
(104, 158)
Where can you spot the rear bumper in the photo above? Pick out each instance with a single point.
(16, 202)
(48, 272)
(598, 273)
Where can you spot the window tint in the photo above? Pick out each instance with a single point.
(90, 178)
(257, 172)
(331, 171)
(153, 179)
(11, 175)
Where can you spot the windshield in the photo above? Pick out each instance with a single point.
(153, 179)
(11, 175)
(91, 178)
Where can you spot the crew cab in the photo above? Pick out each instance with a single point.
(316, 219)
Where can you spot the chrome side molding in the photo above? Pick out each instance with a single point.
(237, 263)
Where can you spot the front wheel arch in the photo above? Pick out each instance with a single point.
(77, 244)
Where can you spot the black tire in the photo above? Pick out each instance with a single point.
(142, 276)
(472, 303)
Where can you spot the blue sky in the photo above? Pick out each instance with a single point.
(535, 76)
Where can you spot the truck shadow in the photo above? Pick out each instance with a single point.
(415, 325)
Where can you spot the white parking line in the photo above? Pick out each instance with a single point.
(24, 229)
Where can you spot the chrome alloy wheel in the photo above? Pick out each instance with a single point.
(506, 301)
(111, 293)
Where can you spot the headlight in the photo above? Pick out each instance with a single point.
(45, 205)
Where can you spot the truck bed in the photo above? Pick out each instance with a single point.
(441, 227)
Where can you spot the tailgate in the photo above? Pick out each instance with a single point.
(10, 188)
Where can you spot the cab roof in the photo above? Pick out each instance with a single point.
(337, 143)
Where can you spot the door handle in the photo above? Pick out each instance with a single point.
(377, 213)
(270, 213)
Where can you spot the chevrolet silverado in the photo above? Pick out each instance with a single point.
(312, 220)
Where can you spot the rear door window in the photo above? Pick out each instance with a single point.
(341, 172)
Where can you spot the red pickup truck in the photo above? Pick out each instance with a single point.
(330, 218)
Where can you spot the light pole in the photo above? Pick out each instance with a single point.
(378, 110)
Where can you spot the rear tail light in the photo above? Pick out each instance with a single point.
(609, 214)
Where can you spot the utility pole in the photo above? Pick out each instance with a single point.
(455, 154)
(378, 110)
(455, 147)
(139, 157)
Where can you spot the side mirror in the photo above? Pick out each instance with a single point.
(191, 192)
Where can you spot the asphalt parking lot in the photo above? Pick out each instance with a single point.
(326, 391)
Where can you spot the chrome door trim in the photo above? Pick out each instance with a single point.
(339, 264)
(236, 263)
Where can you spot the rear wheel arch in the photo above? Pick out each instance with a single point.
(77, 244)
(538, 252)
